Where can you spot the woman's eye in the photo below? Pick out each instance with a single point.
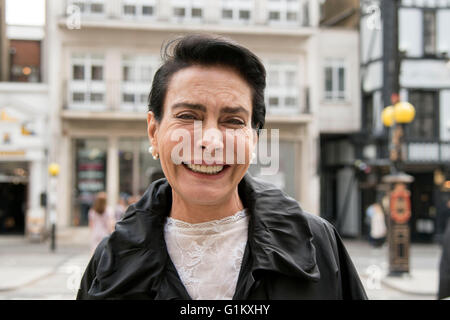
(186, 116)
(236, 122)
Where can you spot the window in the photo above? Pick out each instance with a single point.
(147, 10)
(283, 90)
(137, 74)
(196, 12)
(89, 7)
(189, 11)
(138, 9)
(237, 11)
(90, 158)
(274, 15)
(244, 14)
(287, 12)
(97, 72)
(129, 10)
(368, 119)
(429, 32)
(86, 87)
(227, 14)
(179, 12)
(291, 16)
(78, 72)
(425, 125)
(335, 79)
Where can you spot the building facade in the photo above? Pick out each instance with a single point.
(104, 56)
(23, 131)
(339, 114)
(424, 79)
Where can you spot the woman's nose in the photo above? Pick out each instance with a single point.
(211, 140)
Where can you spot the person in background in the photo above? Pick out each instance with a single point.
(121, 206)
(133, 199)
(444, 270)
(377, 220)
(101, 220)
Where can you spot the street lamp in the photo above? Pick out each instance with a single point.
(397, 116)
(53, 170)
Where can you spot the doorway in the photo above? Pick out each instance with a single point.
(12, 208)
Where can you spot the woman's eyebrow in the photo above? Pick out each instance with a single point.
(234, 110)
(193, 106)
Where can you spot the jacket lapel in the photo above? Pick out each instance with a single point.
(279, 239)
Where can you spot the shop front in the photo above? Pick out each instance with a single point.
(22, 173)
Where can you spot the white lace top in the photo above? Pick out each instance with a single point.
(208, 255)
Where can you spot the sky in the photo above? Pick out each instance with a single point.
(25, 12)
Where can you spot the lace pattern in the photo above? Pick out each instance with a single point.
(208, 255)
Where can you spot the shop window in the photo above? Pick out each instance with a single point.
(90, 176)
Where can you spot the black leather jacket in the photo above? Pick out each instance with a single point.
(290, 254)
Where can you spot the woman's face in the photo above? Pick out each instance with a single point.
(204, 138)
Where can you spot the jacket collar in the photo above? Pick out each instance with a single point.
(136, 256)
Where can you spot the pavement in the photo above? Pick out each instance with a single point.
(30, 270)
(420, 283)
(26, 266)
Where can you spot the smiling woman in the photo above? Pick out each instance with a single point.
(208, 230)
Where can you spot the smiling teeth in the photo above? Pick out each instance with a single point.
(205, 169)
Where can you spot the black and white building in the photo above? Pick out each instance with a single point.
(424, 80)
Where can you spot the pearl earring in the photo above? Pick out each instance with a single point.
(155, 156)
(253, 157)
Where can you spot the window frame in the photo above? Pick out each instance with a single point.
(419, 116)
(425, 35)
(335, 95)
(88, 87)
(281, 90)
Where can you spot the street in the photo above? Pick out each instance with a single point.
(29, 271)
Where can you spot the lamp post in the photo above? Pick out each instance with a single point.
(397, 116)
(53, 170)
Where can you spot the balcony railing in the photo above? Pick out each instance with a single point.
(428, 152)
(279, 15)
(121, 96)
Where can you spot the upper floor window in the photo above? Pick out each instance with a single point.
(137, 75)
(89, 7)
(237, 11)
(429, 32)
(425, 124)
(282, 93)
(335, 79)
(86, 88)
(187, 10)
(290, 12)
(139, 9)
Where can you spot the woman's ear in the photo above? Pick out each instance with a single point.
(152, 130)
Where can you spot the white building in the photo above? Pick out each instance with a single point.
(24, 109)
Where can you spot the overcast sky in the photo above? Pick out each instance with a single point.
(25, 12)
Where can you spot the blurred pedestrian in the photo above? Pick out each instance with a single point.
(121, 206)
(444, 270)
(101, 220)
(133, 199)
(377, 220)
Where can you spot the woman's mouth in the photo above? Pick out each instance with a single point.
(205, 169)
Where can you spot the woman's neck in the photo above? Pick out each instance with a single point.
(198, 213)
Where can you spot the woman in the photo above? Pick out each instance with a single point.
(101, 220)
(209, 230)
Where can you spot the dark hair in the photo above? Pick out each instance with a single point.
(207, 50)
